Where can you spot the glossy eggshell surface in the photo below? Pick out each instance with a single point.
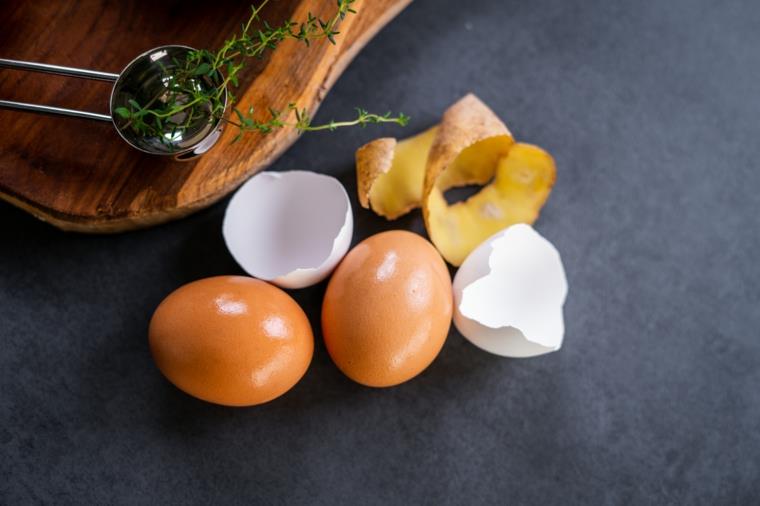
(387, 309)
(231, 340)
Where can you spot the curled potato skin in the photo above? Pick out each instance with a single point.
(464, 124)
(390, 175)
(471, 145)
(372, 160)
(522, 181)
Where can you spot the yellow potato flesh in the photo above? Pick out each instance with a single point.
(400, 189)
(521, 184)
(475, 164)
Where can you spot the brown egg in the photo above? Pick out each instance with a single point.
(387, 309)
(231, 340)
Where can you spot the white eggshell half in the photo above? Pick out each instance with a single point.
(509, 293)
(289, 228)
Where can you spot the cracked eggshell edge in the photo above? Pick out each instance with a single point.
(505, 340)
(300, 277)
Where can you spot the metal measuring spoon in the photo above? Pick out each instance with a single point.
(141, 80)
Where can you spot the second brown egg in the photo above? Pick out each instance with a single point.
(387, 309)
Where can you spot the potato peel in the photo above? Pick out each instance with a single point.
(471, 145)
(466, 123)
(372, 161)
(521, 184)
(390, 175)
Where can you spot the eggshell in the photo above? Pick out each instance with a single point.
(387, 309)
(231, 340)
(509, 294)
(289, 228)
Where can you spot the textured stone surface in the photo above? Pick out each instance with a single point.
(651, 109)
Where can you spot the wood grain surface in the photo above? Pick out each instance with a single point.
(78, 174)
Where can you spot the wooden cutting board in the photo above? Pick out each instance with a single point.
(78, 174)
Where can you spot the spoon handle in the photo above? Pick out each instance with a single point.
(61, 71)
(58, 70)
(49, 109)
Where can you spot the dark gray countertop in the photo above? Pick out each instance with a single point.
(652, 110)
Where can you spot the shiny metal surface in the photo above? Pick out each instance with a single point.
(58, 70)
(144, 80)
(49, 109)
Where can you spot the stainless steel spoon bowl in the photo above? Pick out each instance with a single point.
(142, 80)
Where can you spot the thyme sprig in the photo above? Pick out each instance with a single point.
(185, 99)
(246, 123)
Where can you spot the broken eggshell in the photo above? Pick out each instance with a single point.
(289, 228)
(509, 293)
